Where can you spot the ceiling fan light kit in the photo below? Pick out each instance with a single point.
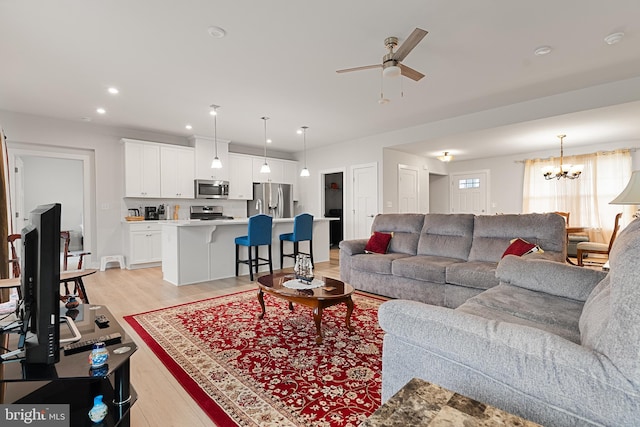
(392, 61)
(567, 171)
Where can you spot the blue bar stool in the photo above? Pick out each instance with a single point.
(302, 230)
(259, 234)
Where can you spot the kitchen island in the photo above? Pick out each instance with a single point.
(195, 251)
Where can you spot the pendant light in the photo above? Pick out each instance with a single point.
(215, 163)
(265, 167)
(304, 171)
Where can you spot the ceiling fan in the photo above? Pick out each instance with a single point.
(391, 62)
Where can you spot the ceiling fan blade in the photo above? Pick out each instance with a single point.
(366, 67)
(410, 72)
(414, 38)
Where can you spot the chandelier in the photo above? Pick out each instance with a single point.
(564, 171)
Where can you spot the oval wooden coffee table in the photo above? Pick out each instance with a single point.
(332, 293)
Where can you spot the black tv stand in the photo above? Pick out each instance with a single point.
(71, 381)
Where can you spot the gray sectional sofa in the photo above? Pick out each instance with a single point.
(554, 343)
(445, 259)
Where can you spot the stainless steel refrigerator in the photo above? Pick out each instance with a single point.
(271, 199)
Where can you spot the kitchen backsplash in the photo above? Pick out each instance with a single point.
(234, 208)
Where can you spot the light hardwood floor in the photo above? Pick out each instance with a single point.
(162, 402)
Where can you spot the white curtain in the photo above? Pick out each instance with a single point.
(587, 198)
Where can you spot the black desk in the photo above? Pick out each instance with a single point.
(71, 381)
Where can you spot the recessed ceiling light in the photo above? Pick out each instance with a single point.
(216, 32)
(189, 127)
(113, 90)
(269, 141)
(101, 111)
(542, 50)
(299, 131)
(613, 38)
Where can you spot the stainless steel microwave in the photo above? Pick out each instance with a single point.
(210, 189)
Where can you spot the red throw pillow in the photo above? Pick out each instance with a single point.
(519, 247)
(378, 243)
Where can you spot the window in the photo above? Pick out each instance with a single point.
(469, 183)
(587, 198)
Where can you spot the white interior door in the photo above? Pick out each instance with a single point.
(469, 192)
(365, 198)
(408, 189)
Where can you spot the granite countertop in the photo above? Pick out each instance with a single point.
(421, 404)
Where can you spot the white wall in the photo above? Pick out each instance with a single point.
(507, 172)
(506, 175)
(108, 178)
(391, 160)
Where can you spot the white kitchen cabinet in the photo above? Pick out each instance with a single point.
(142, 244)
(291, 177)
(141, 169)
(240, 177)
(277, 170)
(204, 154)
(177, 172)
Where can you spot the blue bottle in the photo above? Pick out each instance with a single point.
(99, 410)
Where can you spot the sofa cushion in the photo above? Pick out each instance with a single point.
(405, 228)
(477, 274)
(615, 332)
(427, 268)
(511, 304)
(378, 243)
(446, 235)
(492, 234)
(375, 263)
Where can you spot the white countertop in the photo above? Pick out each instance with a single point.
(216, 222)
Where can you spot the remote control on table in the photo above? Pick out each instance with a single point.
(80, 346)
(102, 321)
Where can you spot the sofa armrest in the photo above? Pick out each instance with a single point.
(353, 247)
(550, 277)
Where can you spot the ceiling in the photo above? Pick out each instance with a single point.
(279, 59)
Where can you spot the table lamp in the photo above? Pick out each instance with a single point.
(631, 194)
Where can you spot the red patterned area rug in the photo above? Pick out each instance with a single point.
(250, 372)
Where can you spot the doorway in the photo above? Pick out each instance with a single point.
(470, 192)
(365, 198)
(333, 206)
(41, 177)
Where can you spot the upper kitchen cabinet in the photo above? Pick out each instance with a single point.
(240, 178)
(277, 170)
(205, 152)
(141, 168)
(291, 177)
(177, 177)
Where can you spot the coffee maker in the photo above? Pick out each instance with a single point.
(150, 212)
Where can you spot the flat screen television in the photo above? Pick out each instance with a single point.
(40, 286)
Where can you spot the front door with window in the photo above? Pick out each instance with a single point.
(469, 192)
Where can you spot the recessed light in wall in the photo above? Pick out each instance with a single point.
(113, 91)
(216, 32)
(613, 38)
(101, 111)
(188, 127)
(542, 50)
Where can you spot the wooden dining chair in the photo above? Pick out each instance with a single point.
(15, 259)
(598, 248)
(78, 286)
